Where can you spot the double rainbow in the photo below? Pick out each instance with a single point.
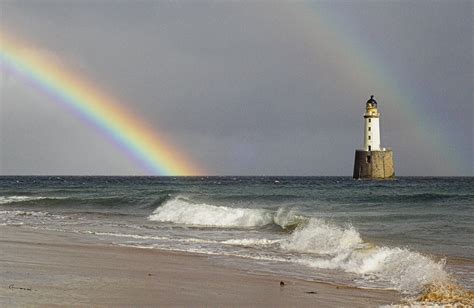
(108, 115)
(326, 32)
(323, 34)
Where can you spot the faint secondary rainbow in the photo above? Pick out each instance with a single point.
(133, 136)
(366, 71)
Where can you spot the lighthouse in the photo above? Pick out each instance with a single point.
(373, 161)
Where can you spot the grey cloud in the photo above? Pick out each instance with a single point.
(237, 88)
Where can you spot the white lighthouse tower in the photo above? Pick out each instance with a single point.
(372, 126)
(373, 161)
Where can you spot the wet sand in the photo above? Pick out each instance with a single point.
(47, 268)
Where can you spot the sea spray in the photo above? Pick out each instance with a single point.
(429, 215)
(320, 244)
(321, 238)
(343, 248)
(183, 211)
(288, 219)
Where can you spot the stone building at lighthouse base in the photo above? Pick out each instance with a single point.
(374, 164)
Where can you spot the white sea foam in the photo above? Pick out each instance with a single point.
(235, 242)
(321, 244)
(322, 238)
(343, 248)
(14, 199)
(251, 242)
(287, 218)
(18, 218)
(10, 214)
(150, 237)
(134, 236)
(182, 211)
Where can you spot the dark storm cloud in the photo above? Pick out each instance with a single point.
(235, 85)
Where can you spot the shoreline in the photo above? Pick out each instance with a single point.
(39, 267)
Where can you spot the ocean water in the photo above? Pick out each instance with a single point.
(400, 234)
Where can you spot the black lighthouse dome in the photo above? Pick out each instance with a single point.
(371, 102)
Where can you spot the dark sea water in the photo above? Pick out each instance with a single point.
(399, 234)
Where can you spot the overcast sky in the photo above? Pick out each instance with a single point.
(247, 87)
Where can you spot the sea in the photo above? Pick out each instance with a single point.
(401, 234)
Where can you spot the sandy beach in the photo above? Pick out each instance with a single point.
(47, 268)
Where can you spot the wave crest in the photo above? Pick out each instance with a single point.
(322, 238)
(344, 249)
(183, 211)
(16, 199)
(321, 244)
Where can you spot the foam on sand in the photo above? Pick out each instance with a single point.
(319, 244)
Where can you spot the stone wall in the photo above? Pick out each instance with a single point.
(373, 164)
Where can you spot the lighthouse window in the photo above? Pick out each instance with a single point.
(369, 128)
(369, 137)
(370, 120)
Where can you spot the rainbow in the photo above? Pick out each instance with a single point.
(364, 71)
(154, 154)
(324, 32)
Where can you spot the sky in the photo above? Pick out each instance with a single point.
(247, 87)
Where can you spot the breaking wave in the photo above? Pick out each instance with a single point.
(334, 247)
(183, 211)
(318, 243)
(16, 199)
